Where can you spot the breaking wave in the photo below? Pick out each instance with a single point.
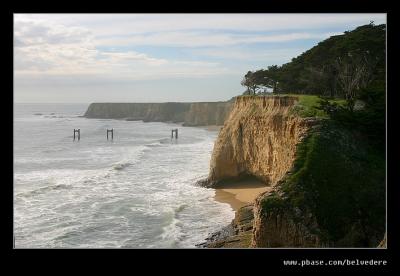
(121, 166)
(43, 190)
(138, 191)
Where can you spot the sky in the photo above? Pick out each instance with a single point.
(84, 58)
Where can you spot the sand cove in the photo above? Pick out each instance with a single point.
(240, 193)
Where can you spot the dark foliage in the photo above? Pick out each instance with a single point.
(318, 70)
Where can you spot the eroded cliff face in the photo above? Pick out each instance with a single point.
(213, 113)
(259, 138)
(313, 167)
(190, 114)
(283, 228)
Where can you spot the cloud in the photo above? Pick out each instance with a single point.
(36, 32)
(204, 39)
(43, 48)
(125, 58)
(122, 24)
(196, 30)
(70, 51)
(269, 56)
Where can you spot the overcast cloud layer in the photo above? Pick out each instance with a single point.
(158, 57)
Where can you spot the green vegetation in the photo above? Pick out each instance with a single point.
(339, 171)
(307, 105)
(340, 66)
(341, 179)
(310, 106)
(274, 203)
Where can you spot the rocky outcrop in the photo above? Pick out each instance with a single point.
(259, 138)
(190, 114)
(284, 227)
(236, 235)
(326, 184)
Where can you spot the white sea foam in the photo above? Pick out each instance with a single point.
(135, 191)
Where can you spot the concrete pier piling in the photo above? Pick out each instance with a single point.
(78, 131)
(176, 133)
(112, 133)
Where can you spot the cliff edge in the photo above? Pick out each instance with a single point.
(258, 139)
(327, 182)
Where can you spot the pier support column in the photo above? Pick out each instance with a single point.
(78, 131)
(112, 133)
(176, 133)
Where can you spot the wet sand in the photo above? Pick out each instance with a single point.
(226, 197)
(240, 193)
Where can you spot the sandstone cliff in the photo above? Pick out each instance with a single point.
(213, 113)
(327, 183)
(190, 114)
(259, 139)
(283, 226)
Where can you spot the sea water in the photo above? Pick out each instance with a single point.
(135, 191)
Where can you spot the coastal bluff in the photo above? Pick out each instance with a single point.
(321, 191)
(190, 114)
(258, 139)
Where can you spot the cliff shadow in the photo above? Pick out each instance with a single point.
(243, 181)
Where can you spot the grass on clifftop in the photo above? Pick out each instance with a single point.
(307, 105)
(340, 178)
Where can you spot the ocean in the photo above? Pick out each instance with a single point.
(135, 191)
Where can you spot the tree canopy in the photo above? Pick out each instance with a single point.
(339, 66)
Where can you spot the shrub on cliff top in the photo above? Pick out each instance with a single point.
(341, 178)
(273, 203)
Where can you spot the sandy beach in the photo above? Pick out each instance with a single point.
(240, 193)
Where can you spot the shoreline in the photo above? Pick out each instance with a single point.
(240, 195)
